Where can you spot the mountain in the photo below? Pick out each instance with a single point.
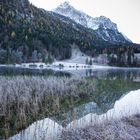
(104, 27)
(30, 34)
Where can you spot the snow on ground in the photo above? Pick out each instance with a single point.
(77, 56)
(76, 62)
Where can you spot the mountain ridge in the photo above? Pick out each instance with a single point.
(98, 24)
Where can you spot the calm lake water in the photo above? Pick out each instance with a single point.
(115, 90)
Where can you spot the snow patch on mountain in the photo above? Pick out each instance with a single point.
(102, 25)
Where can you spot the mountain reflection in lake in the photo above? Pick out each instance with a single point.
(110, 86)
(50, 129)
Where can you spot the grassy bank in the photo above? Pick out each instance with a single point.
(127, 128)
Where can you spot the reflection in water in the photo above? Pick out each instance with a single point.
(128, 105)
(133, 75)
(45, 129)
(106, 74)
(112, 74)
(111, 85)
(75, 113)
(107, 92)
(13, 71)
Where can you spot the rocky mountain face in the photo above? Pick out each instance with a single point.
(104, 27)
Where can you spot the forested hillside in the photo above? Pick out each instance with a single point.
(27, 32)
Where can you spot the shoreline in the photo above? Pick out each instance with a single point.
(64, 66)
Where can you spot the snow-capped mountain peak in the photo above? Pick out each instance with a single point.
(65, 5)
(105, 28)
(67, 10)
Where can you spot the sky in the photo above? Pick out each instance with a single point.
(125, 13)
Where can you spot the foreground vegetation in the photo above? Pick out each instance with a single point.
(127, 128)
(24, 100)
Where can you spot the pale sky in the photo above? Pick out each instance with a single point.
(125, 13)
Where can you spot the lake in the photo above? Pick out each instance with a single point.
(100, 93)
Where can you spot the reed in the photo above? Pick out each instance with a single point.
(25, 99)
